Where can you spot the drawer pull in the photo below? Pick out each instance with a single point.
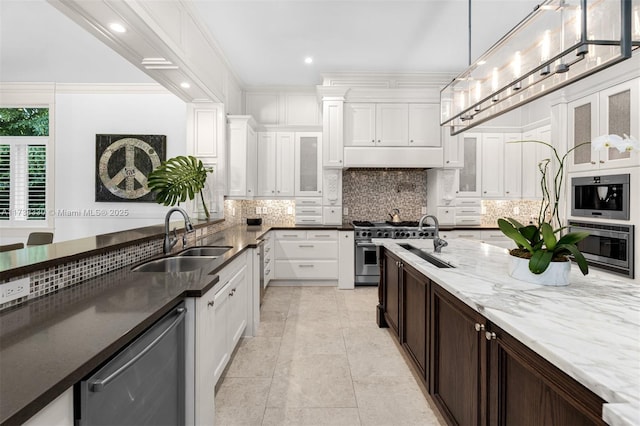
(322, 236)
(305, 245)
(290, 236)
(308, 220)
(306, 266)
(468, 220)
(210, 303)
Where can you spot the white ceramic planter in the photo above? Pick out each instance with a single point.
(557, 274)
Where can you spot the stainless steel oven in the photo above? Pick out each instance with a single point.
(608, 246)
(605, 197)
(367, 270)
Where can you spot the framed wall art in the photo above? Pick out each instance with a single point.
(123, 163)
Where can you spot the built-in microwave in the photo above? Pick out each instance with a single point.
(609, 246)
(605, 197)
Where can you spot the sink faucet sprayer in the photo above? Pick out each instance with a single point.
(438, 242)
(169, 241)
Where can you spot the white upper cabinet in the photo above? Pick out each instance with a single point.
(285, 164)
(512, 166)
(532, 155)
(308, 164)
(242, 149)
(492, 165)
(469, 180)
(611, 111)
(333, 134)
(392, 124)
(360, 124)
(424, 125)
(276, 164)
(453, 150)
(283, 108)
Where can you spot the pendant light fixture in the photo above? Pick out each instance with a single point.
(558, 43)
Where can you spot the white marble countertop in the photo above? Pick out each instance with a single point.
(589, 329)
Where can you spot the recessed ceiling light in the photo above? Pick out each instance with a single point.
(185, 85)
(308, 60)
(117, 27)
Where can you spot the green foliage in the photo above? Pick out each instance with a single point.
(542, 244)
(178, 179)
(24, 122)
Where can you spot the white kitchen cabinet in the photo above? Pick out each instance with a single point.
(492, 169)
(442, 185)
(207, 338)
(58, 412)
(360, 124)
(453, 150)
(276, 165)
(268, 258)
(512, 165)
(469, 182)
(611, 111)
(242, 161)
(306, 255)
(309, 211)
(308, 164)
(229, 317)
(392, 124)
(206, 129)
(424, 125)
(496, 238)
(346, 259)
(333, 133)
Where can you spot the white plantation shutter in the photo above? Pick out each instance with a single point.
(23, 169)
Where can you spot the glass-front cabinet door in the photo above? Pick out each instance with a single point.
(469, 182)
(611, 111)
(308, 148)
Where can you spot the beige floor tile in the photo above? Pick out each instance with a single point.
(313, 366)
(322, 391)
(316, 341)
(311, 417)
(374, 365)
(239, 416)
(243, 392)
(255, 357)
(392, 401)
(369, 341)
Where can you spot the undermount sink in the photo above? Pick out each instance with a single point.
(426, 256)
(173, 264)
(205, 251)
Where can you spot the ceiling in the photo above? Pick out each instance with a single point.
(266, 41)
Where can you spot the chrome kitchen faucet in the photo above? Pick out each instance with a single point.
(169, 241)
(438, 242)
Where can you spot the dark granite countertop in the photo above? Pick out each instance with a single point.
(50, 343)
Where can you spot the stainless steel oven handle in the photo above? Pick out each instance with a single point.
(99, 384)
(365, 245)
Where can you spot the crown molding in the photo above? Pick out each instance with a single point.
(111, 88)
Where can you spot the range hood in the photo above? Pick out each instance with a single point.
(393, 157)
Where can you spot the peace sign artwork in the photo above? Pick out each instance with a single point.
(123, 163)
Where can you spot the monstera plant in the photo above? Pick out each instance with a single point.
(179, 179)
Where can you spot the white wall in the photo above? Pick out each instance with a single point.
(79, 117)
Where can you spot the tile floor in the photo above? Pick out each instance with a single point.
(320, 359)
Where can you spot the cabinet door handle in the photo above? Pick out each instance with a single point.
(210, 303)
(593, 162)
(378, 140)
(490, 335)
(411, 141)
(373, 141)
(601, 161)
(305, 245)
(306, 266)
(479, 327)
(447, 161)
(307, 211)
(322, 236)
(290, 236)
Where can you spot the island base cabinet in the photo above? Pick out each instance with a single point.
(415, 300)
(390, 297)
(525, 389)
(457, 354)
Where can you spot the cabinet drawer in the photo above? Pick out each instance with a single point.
(301, 269)
(471, 235)
(230, 270)
(322, 235)
(309, 220)
(468, 211)
(446, 215)
(308, 210)
(306, 202)
(468, 202)
(291, 235)
(306, 250)
(332, 215)
(467, 220)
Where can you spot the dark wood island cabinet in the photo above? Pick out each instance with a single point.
(476, 373)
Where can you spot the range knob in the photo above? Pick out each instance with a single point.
(386, 235)
(368, 234)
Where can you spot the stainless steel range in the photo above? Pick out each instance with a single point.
(367, 266)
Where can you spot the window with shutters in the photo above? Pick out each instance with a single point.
(24, 140)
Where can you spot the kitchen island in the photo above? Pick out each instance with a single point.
(590, 330)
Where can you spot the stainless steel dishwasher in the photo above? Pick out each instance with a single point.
(142, 385)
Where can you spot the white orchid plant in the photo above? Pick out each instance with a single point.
(622, 144)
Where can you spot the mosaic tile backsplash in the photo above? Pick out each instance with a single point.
(492, 210)
(370, 194)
